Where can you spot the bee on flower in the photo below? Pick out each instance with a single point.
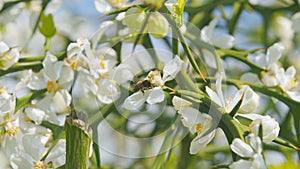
(152, 93)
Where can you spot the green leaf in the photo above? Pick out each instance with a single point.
(46, 26)
(26, 99)
(286, 143)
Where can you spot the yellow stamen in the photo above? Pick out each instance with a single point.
(293, 83)
(39, 165)
(8, 57)
(3, 89)
(102, 63)
(199, 128)
(12, 130)
(52, 86)
(115, 2)
(27, 119)
(74, 65)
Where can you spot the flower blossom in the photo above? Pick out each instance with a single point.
(253, 151)
(154, 95)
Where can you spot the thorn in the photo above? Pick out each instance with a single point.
(214, 166)
(172, 92)
(103, 16)
(202, 77)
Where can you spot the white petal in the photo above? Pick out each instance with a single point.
(57, 155)
(102, 6)
(36, 81)
(17, 161)
(134, 101)
(237, 164)
(180, 103)
(219, 77)
(191, 117)
(33, 146)
(274, 53)
(209, 59)
(134, 18)
(156, 96)
(51, 67)
(172, 68)
(223, 40)
(250, 100)
(213, 96)
(169, 4)
(270, 128)
(200, 143)
(158, 25)
(290, 72)
(241, 148)
(3, 47)
(12, 57)
(296, 22)
(295, 95)
(258, 162)
(108, 91)
(207, 31)
(66, 77)
(251, 78)
(232, 103)
(255, 143)
(35, 114)
(60, 101)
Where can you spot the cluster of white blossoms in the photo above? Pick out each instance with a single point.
(24, 143)
(99, 70)
(275, 75)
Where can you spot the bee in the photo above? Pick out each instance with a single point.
(143, 85)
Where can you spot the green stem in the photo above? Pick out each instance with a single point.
(78, 142)
(36, 66)
(238, 8)
(185, 47)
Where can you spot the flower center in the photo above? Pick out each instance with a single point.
(199, 128)
(8, 57)
(293, 83)
(102, 63)
(52, 86)
(13, 130)
(115, 2)
(2, 90)
(75, 64)
(39, 165)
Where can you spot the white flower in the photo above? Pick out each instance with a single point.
(8, 56)
(273, 3)
(274, 52)
(252, 150)
(98, 69)
(296, 22)
(157, 25)
(155, 95)
(210, 35)
(57, 78)
(270, 127)
(7, 102)
(104, 6)
(198, 123)
(288, 82)
(249, 98)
